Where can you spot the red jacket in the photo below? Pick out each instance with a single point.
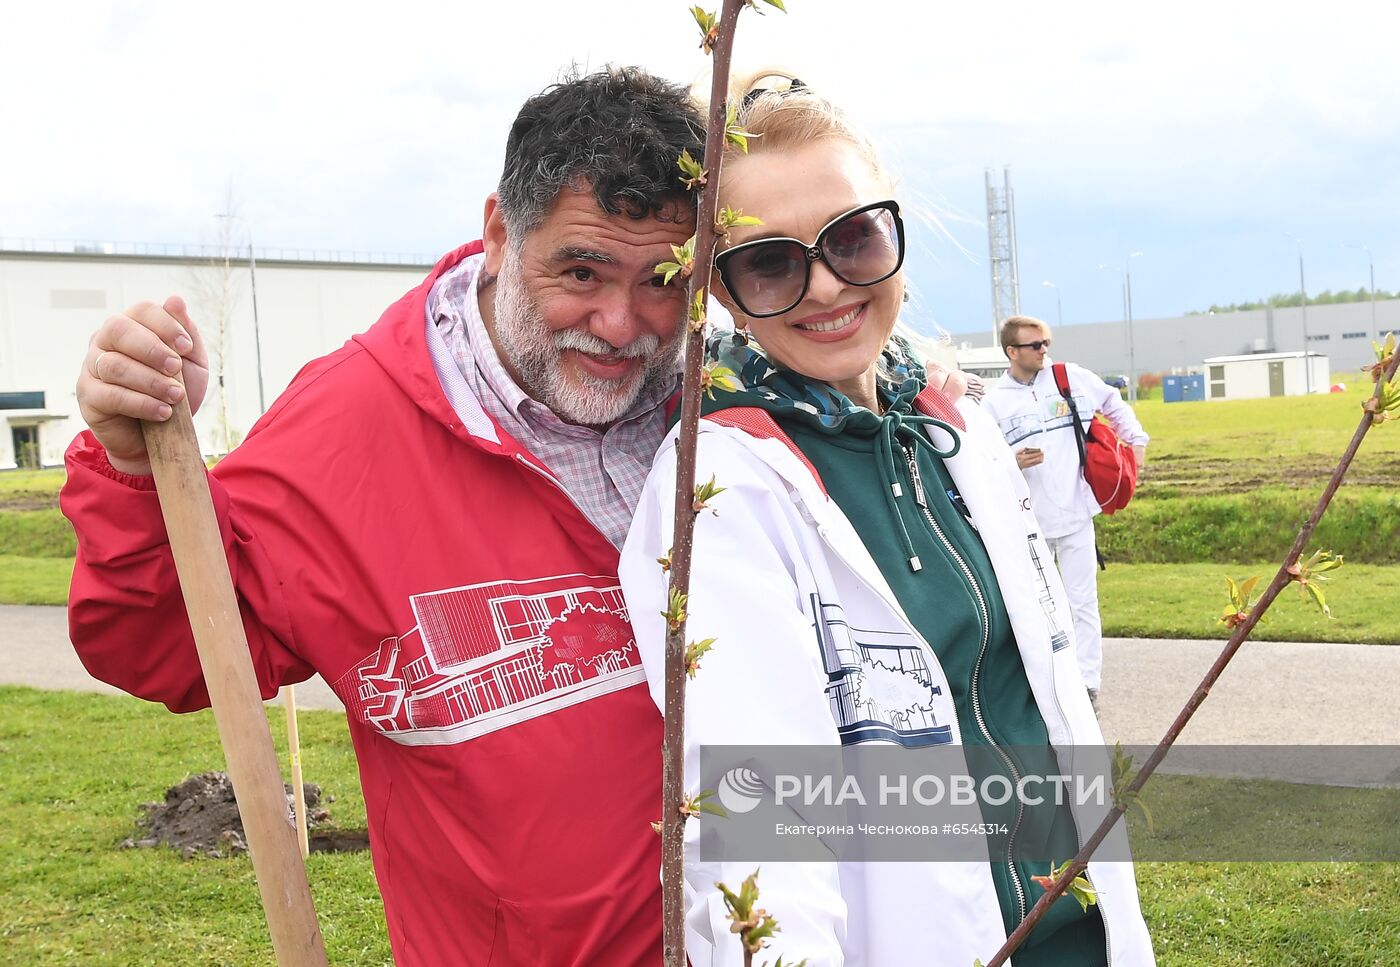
(467, 614)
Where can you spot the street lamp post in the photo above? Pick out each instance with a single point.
(1371, 263)
(1059, 316)
(1128, 299)
(1127, 284)
(1303, 289)
(253, 283)
(288, 692)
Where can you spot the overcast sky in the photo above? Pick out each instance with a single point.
(1196, 133)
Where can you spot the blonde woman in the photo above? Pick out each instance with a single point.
(861, 501)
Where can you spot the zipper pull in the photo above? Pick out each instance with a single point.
(914, 476)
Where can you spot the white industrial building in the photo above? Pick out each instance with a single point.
(1344, 331)
(308, 303)
(1266, 374)
(988, 362)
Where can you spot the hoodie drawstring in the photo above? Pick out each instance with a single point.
(891, 425)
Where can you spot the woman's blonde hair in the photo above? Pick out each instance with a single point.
(783, 113)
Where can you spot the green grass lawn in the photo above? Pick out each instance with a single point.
(1136, 600)
(36, 533)
(36, 543)
(17, 486)
(1362, 523)
(1288, 427)
(75, 769)
(34, 580)
(77, 766)
(1185, 601)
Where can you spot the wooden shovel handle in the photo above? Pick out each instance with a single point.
(183, 487)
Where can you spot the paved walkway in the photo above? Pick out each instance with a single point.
(1273, 693)
(35, 651)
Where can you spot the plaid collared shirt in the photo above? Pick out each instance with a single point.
(603, 472)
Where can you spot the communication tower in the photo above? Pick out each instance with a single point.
(1001, 244)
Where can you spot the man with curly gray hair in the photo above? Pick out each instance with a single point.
(430, 518)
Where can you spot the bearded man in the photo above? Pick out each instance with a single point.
(430, 518)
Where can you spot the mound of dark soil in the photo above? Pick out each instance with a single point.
(200, 815)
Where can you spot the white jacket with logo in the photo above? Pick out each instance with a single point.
(1038, 416)
(776, 545)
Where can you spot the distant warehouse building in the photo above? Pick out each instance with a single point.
(54, 295)
(1266, 374)
(1343, 331)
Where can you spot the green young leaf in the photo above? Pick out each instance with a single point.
(694, 652)
(1385, 405)
(1123, 776)
(1080, 888)
(1308, 575)
(751, 922)
(1240, 604)
(1319, 598)
(667, 271)
(1141, 804)
(735, 135)
(715, 376)
(683, 265)
(740, 905)
(685, 255)
(1385, 352)
(704, 493)
(709, 28)
(675, 610)
(697, 311)
(1122, 772)
(699, 803)
(695, 175)
(728, 218)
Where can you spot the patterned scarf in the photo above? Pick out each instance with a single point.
(899, 378)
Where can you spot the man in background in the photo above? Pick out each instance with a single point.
(1035, 420)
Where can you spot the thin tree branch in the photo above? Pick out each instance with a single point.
(673, 746)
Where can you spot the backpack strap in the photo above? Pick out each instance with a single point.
(930, 402)
(1062, 382)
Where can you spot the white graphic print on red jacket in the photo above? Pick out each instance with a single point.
(491, 655)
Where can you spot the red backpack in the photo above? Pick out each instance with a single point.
(1108, 464)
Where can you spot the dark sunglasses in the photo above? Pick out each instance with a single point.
(1032, 345)
(769, 276)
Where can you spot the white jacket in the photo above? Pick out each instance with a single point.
(777, 544)
(1037, 416)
